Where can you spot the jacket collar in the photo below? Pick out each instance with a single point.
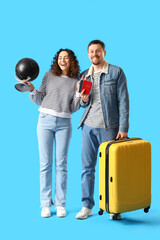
(104, 69)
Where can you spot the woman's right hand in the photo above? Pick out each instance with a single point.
(30, 85)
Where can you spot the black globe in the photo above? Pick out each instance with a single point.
(27, 68)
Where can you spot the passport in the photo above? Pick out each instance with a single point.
(84, 84)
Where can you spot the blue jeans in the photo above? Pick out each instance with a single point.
(50, 129)
(91, 139)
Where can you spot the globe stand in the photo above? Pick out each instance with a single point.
(21, 86)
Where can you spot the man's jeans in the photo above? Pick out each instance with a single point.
(52, 128)
(91, 139)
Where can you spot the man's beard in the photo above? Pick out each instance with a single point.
(97, 63)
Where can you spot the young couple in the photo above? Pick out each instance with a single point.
(105, 118)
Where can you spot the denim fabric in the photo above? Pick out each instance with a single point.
(91, 139)
(50, 129)
(114, 99)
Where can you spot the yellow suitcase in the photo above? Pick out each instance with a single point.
(124, 175)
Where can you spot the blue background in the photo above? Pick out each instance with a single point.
(38, 29)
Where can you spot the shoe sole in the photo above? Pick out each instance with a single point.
(89, 215)
(61, 216)
(118, 218)
(46, 216)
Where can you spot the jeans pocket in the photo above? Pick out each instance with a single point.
(42, 115)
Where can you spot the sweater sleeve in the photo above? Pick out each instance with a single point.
(37, 95)
(75, 102)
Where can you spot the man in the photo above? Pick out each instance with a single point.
(105, 117)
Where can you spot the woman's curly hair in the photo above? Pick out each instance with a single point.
(74, 70)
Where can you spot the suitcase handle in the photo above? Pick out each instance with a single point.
(128, 139)
(122, 138)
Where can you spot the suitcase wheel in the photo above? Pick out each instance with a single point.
(100, 212)
(146, 210)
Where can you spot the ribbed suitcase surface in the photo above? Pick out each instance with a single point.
(125, 175)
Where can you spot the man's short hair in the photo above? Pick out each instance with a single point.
(97, 42)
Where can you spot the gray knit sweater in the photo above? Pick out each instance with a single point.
(57, 95)
(94, 117)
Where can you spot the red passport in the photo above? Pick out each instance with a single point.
(84, 84)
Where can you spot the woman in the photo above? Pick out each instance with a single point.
(58, 99)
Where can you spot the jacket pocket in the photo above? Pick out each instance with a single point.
(110, 87)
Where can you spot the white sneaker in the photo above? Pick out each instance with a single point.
(114, 216)
(45, 212)
(84, 213)
(61, 212)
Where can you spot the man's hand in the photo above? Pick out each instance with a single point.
(122, 135)
(85, 97)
